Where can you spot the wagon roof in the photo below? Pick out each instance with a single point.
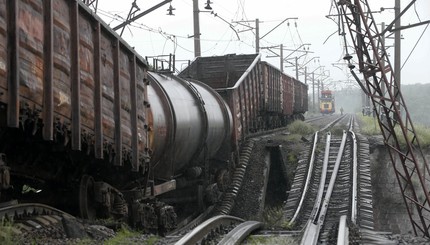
(221, 71)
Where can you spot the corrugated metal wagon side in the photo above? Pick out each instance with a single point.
(65, 73)
(287, 96)
(300, 97)
(273, 92)
(281, 100)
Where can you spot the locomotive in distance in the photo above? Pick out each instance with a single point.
(82, 118)
(327, 102)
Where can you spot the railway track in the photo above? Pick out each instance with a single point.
(229, 199)
(332, 185)
(26, 218)
(302, 212)
(14, 212)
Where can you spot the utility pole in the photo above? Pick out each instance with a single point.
(397, 51)
(281, 54)
(306, 75)
(318, 91)
(383, 61)
(313, 92)
(197, 50)
(257, 36)
(257, 30)
(297, 69)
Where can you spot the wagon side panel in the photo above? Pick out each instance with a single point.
(3, 52)
(288, 95)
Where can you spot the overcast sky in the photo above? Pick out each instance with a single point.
(158, 33)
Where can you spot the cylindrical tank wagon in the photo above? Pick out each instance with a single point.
(191, 123)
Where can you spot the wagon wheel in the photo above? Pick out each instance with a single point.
(87, 203)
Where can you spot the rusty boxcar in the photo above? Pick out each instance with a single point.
(64, 71)
(71, 92)
(259, 95)
(300, 98)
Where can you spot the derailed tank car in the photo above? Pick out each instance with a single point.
(81, 118)
(190, 123)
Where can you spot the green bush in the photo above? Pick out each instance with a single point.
(273, 216)
(125, 236)
(369, 125)
(6, 233)
(422, 133)
(300, 128)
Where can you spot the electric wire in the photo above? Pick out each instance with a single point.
(295, 35)
(419, 39)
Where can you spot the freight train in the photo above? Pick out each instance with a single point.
(85, 127)
(327, 105)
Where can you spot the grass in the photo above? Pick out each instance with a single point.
(337, 130)
(370, 126)
(300, 128)
(261, 240)
(126, 235)
(6, 233)
(273, 217)
(422, 132)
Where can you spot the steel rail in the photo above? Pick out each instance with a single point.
(343, 232)
(354, 194)
(313, 227)
(312, 119)
(310, 230)
(320, 195)
(308, 179)
(333, 122)
(240, 232)
(206, 227)
(351, 123)
(21, 210)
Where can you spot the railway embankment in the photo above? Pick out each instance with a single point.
(389, 208)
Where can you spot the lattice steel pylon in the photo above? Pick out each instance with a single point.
(409, 162)
(92, 3)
